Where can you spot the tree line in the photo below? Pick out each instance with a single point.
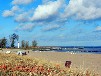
(25, 44)
(13, 38)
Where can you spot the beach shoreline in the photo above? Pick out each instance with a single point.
(79, 60)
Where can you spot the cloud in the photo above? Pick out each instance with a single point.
(83, 9)
(9, 13)
(92, 3)
(15, 8)
(98, 28)
(19, 2)
(47, 11)
(46, 1)
(25, 27)
(54, 12)
(22, 17)
(51, 27)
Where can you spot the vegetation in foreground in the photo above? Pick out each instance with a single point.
(13, 65)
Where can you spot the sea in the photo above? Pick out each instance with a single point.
(80, 49)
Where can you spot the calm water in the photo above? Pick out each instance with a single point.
(85, 49)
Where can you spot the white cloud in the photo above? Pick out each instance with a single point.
(25, 27)
(22, 17)
(92, 3)
(7, 13)
(15, 8)
(46, 11)
(52, 9)
(83, 9)
(15, 2)
(46, 1)
(51, 27)
(98, 28)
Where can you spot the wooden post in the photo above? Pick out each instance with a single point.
(67, 64)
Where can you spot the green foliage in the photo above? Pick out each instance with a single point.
(13, 38)
(27, 44)
(23, 44)
(12, 43)
(3, 42)
(34, 43)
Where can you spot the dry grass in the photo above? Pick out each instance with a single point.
(14, 65)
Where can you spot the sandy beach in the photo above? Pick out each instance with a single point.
(80, 60)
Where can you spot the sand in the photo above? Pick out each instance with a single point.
(79, 60)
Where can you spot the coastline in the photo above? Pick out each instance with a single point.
(81, 61)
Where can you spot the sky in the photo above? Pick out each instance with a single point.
(52, 22)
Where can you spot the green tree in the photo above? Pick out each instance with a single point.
(3, 42)
(13, 39)
(34, 43)
(27, 44)
(23, 44)
(0, 43)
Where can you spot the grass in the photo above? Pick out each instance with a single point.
(14, 65)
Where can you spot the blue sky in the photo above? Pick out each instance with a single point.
(52, 22)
